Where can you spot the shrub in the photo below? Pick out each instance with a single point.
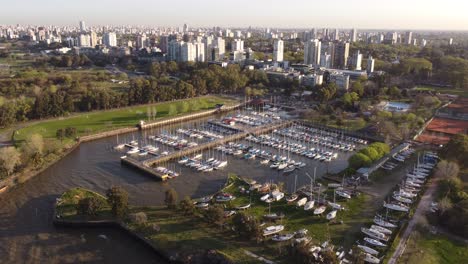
(138, 218)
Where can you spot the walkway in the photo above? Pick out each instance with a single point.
(422, 208)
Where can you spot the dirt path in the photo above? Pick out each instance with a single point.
(422, 208)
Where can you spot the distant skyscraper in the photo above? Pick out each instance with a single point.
(186, 28)
(141, 41)
(164, 43)
(353, 36)
(85, 40)
(82, 26)
(409, 38)
(340, 55)
(312, 49)
(278, 49)
(173, 50)
(336, 35)
(94, 39)
(110, 39)
(357, 61)
(200, 51)
(325, 60)
(237, 45)
(370, 65)
(221, 45)
(187, 52)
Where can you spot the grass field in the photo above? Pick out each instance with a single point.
(426, 248)
(93, 122)
(460, 92)
(69, 200)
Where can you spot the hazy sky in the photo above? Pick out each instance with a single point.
(398, 14)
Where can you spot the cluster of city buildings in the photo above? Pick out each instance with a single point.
(327, 55)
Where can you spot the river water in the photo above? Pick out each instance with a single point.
(27, 234)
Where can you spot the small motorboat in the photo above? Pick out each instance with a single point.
(371, 259)
(292, 198)
(309, 205)
(331, 215)
(368, 250)
(320, 210)
(272, 230)
(374, 242)
(280, 238)
(301, 202)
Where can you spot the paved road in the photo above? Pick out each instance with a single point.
(422, 208)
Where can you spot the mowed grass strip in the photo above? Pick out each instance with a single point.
(93, 122)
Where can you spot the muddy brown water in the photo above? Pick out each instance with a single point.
(27, 234)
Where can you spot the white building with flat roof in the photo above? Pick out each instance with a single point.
(278, 49)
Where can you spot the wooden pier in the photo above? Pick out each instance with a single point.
(147, 165)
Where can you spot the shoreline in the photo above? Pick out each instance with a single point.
(19, 178)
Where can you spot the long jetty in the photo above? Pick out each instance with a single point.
(146, 166)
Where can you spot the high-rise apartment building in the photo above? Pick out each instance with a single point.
(110, 39)
(94, 39)
(82, 26)
(278, 49)
(84, 40)
(312, 49)
(340, 55)
(237, 45)
(408, 38)
(353, 35)
(357, 61)
(370, 65)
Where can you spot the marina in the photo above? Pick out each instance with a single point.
(277, 143)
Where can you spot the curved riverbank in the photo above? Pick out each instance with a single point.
(19, 178)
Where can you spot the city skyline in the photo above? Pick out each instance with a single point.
(362, 14)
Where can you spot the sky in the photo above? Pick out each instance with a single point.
(368, 14)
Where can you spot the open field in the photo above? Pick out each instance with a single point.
(460, 92)
(93, 122)
(426, 248)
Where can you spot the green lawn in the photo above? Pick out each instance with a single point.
(93, 122)
(69, 200)
(426, 248)
(460, 92)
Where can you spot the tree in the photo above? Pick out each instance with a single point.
(187, 206)
(359, 160)
(445, 204)
(60, 134)
(117, 197)
(9, 159)
(447, 169)
(457, 149)
(358, 256)
(171, 198)
(172, 110)
(89, 206)
(215, 214)
(139, 218)
(358, 88)
(371, 153)
(33, 148)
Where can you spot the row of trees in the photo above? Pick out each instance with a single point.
(366, 156)
(453, 198)
(60, 94)
(30, 153)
